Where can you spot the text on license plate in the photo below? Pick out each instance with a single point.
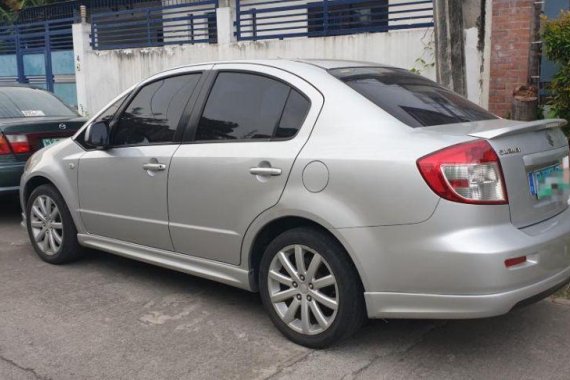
(51, 141)
(549, 181)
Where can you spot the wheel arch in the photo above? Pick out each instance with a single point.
(38, 179)
(32, 184)
(276, 226)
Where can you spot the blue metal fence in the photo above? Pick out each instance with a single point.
(68, 9)
(265, 19)
(31, 46)
(63, 10)
(180, 23)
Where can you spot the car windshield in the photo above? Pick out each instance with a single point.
(411, 98)
(18, 102)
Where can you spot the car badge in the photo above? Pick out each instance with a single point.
(62, 126)
(512, 150)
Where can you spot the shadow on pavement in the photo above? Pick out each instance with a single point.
(536, 338)
(9, 207)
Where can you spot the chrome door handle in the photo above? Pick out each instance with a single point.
(265, 171)
(153, 167)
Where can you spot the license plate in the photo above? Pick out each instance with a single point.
(47, 142)
(549, 181)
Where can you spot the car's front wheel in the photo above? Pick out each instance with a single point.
(51, 227)
(310, 288)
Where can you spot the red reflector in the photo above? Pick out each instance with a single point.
(4, 147)
(516, 261)
(19, 143)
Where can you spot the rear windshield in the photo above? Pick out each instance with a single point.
(413, 99)
(18, 102)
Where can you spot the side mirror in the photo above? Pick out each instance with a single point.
(97, 135)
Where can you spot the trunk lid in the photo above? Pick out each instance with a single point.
(534, 160)
(40, 131)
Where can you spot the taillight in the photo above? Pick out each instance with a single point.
(465, 173)
(4, 147)
(19, 143)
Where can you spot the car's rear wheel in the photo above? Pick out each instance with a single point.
(310, 288)
(51, 227)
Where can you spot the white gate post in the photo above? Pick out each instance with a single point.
(225, 17)
(81, 46)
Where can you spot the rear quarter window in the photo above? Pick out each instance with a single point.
(411, 98)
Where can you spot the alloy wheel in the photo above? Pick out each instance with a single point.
(46, 225)
(303, 289)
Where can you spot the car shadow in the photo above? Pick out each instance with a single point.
(443, 337)
(9, 206)
(526, 329)
(170, 281)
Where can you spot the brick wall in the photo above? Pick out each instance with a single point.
(510, 47)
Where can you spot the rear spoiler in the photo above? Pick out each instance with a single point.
(529, 126)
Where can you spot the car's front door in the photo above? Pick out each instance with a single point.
(123, 189)
(241, 148)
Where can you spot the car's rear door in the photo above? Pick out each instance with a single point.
(123, 190)
(241, 145)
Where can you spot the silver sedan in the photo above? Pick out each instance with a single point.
(338, 190)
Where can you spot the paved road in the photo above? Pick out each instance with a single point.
(110, 318)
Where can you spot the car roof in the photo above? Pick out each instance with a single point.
(283, 63)
(301, 67)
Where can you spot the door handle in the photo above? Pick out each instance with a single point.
(154, 167)
(265, 171)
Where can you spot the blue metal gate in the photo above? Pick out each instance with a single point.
(40, 54)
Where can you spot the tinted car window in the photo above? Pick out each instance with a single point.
(18, 102)
(294, 114)
(242, 107)
(153, 115)
(108, 114)
(414, 100)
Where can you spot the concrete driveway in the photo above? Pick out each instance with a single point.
(110, 318)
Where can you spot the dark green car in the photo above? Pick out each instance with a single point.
(30, 119)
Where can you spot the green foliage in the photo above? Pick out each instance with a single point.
(6, 16)
(9, 8)
(556, 36)
(427, 60)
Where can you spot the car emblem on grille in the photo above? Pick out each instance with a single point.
(62, 126)
(550, 139)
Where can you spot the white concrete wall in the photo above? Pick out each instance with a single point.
(473, 66)
(104, 74)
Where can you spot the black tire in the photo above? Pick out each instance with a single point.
(351, 311)
(69, 250)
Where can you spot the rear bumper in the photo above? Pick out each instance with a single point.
(10, 174)
(440, 306)
(453, 265)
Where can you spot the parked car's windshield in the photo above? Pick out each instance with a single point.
(27, 102)
(412, 99)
